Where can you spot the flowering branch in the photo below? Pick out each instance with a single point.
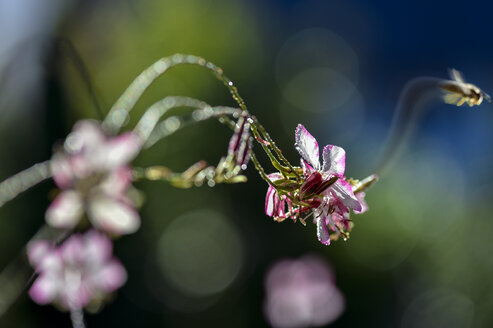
(94, 174)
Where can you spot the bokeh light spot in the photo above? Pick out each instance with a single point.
(200, 253)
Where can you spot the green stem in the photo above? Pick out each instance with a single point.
(119, 112)
(276, 149)
(153, 114)
(175, 122)
(22, 181)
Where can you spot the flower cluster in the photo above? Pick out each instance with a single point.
(302, 293)
(323, 192)
(94, 175)
(80, 271)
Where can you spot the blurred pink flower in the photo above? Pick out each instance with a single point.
(79, 271)
(94, 176)
(302, 293)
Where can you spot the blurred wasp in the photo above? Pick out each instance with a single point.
(458, 92)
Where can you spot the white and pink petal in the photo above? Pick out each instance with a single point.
(113, 215)
(110, 277)
(334, 160)
(322, 231)
(86, 136)
(121, 150)
(66, 210)
(61, 170)
(364, 206)
(45, 289)
(342, 190)
(37, 250)
(270, 201)
(98, 248)
(117, 181)
(307, 147)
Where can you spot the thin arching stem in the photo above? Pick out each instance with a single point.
(119, 112)
(172, 123)
(22, 181)
(276, 149)
(148, 124)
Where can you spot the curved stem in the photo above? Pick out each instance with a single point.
(22, 181)
(119, 112)
(153, 114)
(175, 122)
(276, 149)
(148, 128)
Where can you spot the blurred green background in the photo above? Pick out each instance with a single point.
(421, 257)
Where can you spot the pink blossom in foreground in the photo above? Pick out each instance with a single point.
(94, 175)
(324, 191)
(338, 198)
(302, 293)
(79, 271)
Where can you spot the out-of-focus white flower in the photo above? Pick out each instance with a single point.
(302, 293)
(76, 273)
(94, 175)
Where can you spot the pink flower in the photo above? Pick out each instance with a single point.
(338, 197)
(278, 207)
(240, 143)
(322, 192)
(76, 273)
(93, 174)
(302, 293)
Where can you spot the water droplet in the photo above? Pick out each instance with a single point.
(230, 83)
(161, 66)
(73, 143)
(208, 111)
(198, 115)
(211, 183)
(243, 166)
(250, 120)
(169, 102)
(177, 58)
(171, 124)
